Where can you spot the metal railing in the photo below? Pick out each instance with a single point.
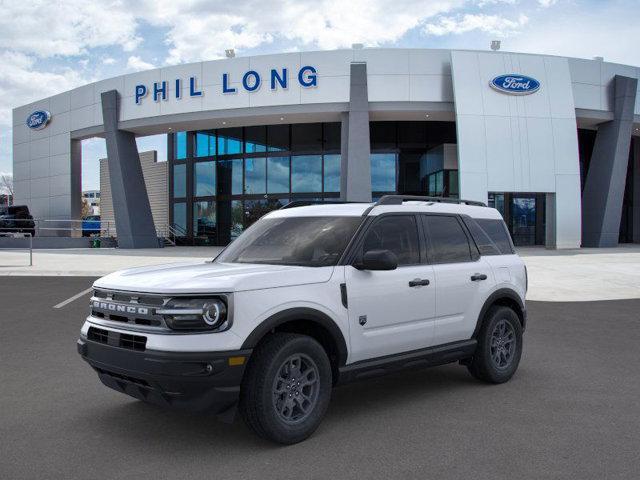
(20, 235)
(51, 228)
(171, 233)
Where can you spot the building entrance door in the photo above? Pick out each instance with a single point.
(524, 214)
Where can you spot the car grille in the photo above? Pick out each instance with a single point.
(137, 311)
(116, 339)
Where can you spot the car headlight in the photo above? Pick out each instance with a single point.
(196, 314)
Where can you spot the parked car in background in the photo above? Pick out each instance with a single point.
(17, 219)
(91, 225)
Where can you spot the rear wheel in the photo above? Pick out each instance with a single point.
(499, 347)
(287, 388)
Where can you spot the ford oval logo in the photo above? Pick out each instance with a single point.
(515, 84)
(38, 119)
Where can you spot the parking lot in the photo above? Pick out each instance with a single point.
(571, 411)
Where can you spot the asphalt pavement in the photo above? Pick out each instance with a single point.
(571, 412)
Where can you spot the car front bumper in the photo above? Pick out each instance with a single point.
(197, 381)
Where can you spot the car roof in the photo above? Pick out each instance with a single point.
(359, 209)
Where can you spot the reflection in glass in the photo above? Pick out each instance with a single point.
(237, 218)
(180, 146)
(230, 177)
(205, 144)
(306, 137)
(278, 175)
(306, 173)
(383, 172)
(331, 133)
(204, 179)
(180, 180)
(204, 219)
(180, 218)
(229, 141)
(332, 173)
(255, 139)
(255, 175)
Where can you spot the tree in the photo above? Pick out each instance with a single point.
(86, 208)
(6, 183)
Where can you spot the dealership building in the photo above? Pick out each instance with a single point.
(552, 142)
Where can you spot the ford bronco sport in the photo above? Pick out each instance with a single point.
(310, 297)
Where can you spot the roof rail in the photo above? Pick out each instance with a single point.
(306, 203)
(399, 199)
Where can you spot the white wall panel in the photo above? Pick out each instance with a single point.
(384, 61)
(39, 167)
(212, 71)
(429, 62)
(388, 88)
(430, 88)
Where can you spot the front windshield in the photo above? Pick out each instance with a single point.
(303, 241)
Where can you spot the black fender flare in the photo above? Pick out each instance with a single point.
(300, 313)
(501, 293)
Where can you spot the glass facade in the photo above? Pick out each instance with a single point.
(224, 180)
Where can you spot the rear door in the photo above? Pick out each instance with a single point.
(462, 278)
(391, 311)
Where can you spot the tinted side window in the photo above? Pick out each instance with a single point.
(497, 232)
(449, 243)
(397, 233)
(484, 243)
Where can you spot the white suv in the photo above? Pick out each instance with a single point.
(309, 297)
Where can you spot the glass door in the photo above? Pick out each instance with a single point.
(523, 219)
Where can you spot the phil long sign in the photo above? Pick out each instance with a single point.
(515, 84)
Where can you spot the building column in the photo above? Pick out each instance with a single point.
(604, 187)
(355, 177)
(636, 190)
(131, 208)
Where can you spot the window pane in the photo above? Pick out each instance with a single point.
(204, 179)
(255, 139)
(278, 137)
(453, 183)
(332, 133)
(255, 175)
(230, 177)
(306, 136)
(449, 243)
(278, 175)
(383, 135)
(482, 240)
(205, 144)
(497, 231)
(179, 180)
(204, 219)
(229, 141)
(332, 173)
(180, 218)
(306, 173)
(383, 172)
(398, 234)
(180, 146)
(237, 218)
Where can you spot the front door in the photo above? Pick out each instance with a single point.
(391, 311)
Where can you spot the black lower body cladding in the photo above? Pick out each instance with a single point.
(197, 381)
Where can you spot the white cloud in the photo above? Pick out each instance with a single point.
(108, 61)
(46, 28)
(136, 63)
(491, 24)
(547, 3)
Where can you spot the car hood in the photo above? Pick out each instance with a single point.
(210, 277)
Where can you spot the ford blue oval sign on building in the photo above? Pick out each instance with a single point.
(515, 84)
(38, 119)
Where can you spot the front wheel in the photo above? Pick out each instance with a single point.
(499, 347)
(287, 388)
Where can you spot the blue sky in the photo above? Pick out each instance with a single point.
(52, 47)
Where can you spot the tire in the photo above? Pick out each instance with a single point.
(276, 405)
(496, 358)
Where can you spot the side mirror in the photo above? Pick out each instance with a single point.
(378, 260)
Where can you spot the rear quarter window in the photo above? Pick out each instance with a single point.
(497, 232)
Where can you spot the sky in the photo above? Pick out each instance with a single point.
(47, 47)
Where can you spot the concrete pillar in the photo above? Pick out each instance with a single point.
(550, 224)
(604, 187)
(355, 178)
(131, 208)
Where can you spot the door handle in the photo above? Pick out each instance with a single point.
(418, 282)
(478, 276)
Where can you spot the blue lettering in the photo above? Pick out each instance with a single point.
(275, 77)
(141, 91)
(192, 88)
(157, 90)
(256, 81)
(310, 80)
(178, 91)
(225, 84)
